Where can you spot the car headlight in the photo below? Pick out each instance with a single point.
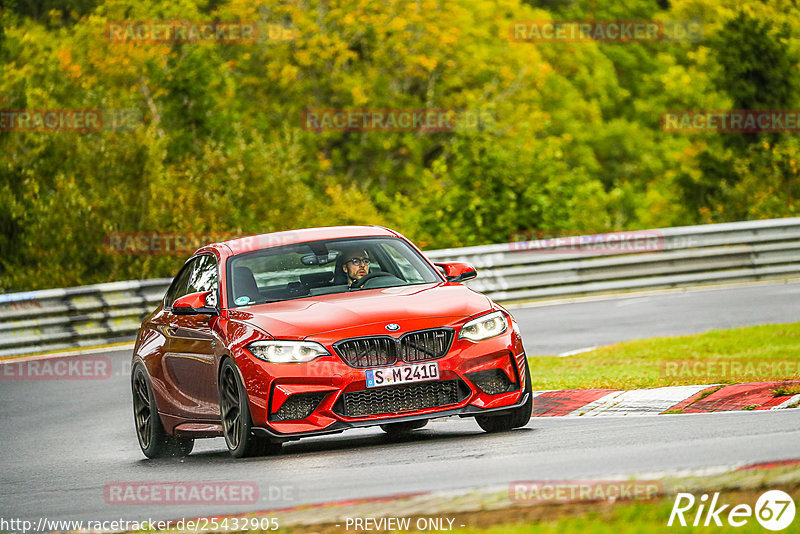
(484, 327)
(277, 351)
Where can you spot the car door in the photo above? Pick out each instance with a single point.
(188, 363)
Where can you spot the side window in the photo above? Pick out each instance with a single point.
(200, 274)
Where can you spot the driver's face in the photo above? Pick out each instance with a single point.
(356, 265)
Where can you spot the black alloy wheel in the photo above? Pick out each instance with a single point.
(153, 439)
(237, 424)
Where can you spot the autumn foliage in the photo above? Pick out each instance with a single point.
(208, 137)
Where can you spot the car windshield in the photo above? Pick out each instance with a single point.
(324, 267)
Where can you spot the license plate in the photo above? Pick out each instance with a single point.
(402, 374)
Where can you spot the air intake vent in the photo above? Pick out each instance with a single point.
(401, 398)
(298, 406)
(493, 381)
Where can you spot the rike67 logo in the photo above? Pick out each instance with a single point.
(774, 510)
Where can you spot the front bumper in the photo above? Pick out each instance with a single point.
(341, 426)
(323, 384)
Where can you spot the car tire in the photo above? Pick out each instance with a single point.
(397, 430)
(153, 439)
(237, 424)
(514, 418)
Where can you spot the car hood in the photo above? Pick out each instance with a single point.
(366, 311)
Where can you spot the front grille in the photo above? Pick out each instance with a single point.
(425, 345)
(368, 351)
(381, 351)
(493, 381)
(401, 398)
(298, 406)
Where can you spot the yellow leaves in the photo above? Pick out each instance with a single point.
(324, 164)
(348, 206)
(428, 63)
(544, 70)
(243, 8)
(359, 99)
(74, 72)
(449, 39)
(397, 24)
(65, 59)
(304, 58)
(289, 72)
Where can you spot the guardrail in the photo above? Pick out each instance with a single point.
(55, 319)
(691, 255)
(688, 255)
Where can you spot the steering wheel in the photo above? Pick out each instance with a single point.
(358, 284)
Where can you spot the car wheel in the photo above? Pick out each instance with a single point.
(513, 418)
(237, 424)
(153, 439)
(396, 430)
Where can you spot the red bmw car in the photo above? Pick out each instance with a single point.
(271, 338)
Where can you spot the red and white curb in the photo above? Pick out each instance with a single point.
(653, 401)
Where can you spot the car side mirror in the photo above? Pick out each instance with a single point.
(194, 304)
(458, 271)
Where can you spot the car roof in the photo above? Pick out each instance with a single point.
(290, 237)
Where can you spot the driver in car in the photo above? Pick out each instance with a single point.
(355, 264)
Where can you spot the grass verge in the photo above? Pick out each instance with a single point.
(786, 390)
(750, 354)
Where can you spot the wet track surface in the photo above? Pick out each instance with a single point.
(63, 441)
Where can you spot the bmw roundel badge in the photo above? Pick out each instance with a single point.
(392, 327)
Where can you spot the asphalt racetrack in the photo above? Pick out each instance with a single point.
(64, 441)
